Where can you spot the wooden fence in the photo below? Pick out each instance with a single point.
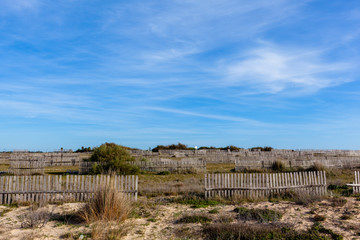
(26, 167)
(85, 167)
(157, 166)
(255, 185)
(62, 188)
(171, 166)
(356, 184)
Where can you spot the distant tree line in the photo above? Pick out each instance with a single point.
(84, 149)
(232, 148)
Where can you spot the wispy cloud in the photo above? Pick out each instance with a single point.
(209, 116)
(275, 70)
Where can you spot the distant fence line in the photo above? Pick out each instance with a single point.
(161, 165)
(26, 167)
(242, 158)
(331, 162)
(171, 165)
(60, 188)
(48, 159)
(255, 185)
(256, 158)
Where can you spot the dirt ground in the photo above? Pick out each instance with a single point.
(158, 219)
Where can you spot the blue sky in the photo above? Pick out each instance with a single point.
(279, 73)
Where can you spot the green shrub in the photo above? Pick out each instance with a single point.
(110, 157)
(260, 215)
(164, 173)
(342, 190)
(214, 211)
(197, 218)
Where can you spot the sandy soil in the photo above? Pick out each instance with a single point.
(159, 220)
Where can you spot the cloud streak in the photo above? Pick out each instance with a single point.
(274, 70)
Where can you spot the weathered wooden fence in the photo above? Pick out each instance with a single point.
(62, 188)
(158, 166)
(85, 167)
(255, 185)
(49, 158)
(26, 167)
(356, 184)
(171, 166)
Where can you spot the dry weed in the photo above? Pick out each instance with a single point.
(106, 230)
(107, 204)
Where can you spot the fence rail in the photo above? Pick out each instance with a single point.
(255, 185)
(356, 184)
(62, 188)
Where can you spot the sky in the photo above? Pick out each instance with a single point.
(279, 73)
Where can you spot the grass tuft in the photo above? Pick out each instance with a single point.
(106, 205)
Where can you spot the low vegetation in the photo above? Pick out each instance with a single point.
(196, 201)
(107, 204)
(259, 215)
(244, 231)
(196, 218)
(112, 158)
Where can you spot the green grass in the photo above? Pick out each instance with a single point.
(196, 202)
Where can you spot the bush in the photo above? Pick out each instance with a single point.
(35, 218)
(110, 157)
(107, 204)
(179, 146)
(197, 218)
(260, 215)
(196, 202)
(262, 149)
(278, 166)
(343, 190)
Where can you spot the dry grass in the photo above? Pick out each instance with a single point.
(60, 169)
(4, 167)
(106, 205)
(108, 230)
(172, 184)
(220, 167)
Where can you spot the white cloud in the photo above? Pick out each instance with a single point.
(274, 70)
